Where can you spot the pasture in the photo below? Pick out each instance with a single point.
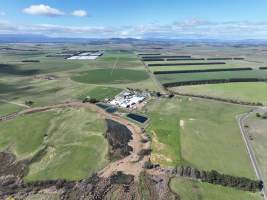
(191, 77)
(194, 190)
(196, 133)
(72, 140)
(21, 81)
(111, 76)
(257, 132)
(249, 92)
(7, 108)
(192, 67)
(102, 93)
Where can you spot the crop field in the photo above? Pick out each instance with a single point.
(193, 190)
(183, 133)
(73, 140)
(249, 92)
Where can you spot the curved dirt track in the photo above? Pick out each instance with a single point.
(128, 165)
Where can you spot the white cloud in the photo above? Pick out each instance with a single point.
(79, 13)
(43, 10)
(182, 29)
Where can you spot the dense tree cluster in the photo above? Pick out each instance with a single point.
(118, 136)
(215, 177)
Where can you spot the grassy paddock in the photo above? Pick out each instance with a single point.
(111, 76)
(76, 147)
(257, 130)
(195, 190)
(193, 67)
(170, 78)
(101, 93)
(7, 108)
(164, 117)
(74, 141)
(251, 92)
(202, 134)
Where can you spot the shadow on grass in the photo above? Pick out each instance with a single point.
(14, 70)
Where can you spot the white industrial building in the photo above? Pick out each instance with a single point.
(127, 99)
(86, 56)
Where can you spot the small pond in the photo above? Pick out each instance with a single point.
(138, 118)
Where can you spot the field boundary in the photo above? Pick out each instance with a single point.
(203, 70)
(213, 81)
(185, 64)
(232, 101)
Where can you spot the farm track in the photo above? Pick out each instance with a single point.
(128, 165)
(155, 80)
(250, 150)
(14, 103)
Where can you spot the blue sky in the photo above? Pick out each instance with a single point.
(136, 18)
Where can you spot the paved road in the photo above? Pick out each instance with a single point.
(241, 119)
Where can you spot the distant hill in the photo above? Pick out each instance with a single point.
(33, 38)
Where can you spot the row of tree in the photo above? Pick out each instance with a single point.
(214, 81)
(215, 177)
(234, 101)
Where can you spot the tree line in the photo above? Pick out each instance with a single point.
(217, 178)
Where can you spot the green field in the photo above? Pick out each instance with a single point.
(7, 108)
(257, 131)
(170, 78)
(202, 134)
(111, 76)
(102, 93)
(250, 92)
(189, 67)
(26, 81)
(195, 190)
(73, 139)
(164, 131)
